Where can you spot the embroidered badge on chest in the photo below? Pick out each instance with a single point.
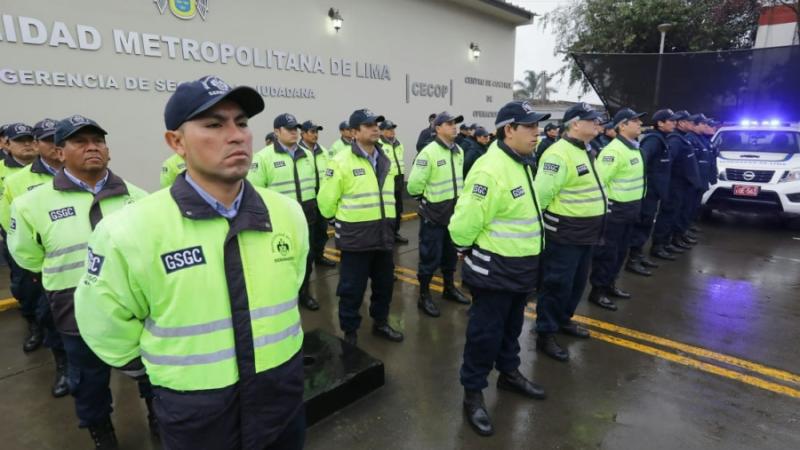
(183, 259)
(582, 169)
(279, 164)
(359, 172)
(440, 163)
(63, 213)
(517, 192)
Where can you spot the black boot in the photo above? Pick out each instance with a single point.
(400, 239)
(646, 262)
(547, 344)
(476, 413)
(658, 251)
(60, 387)
(689, 238)
(616, 292)
(35, 336)
(678, 242)
(309, 302)
(451, 292)
(324, 261)
(599, 298)
(152, 421)
(425, 302)
(674, 250)
(635, 266)
(103, 436)
(516, 382)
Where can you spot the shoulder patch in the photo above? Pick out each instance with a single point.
(95, 263)
(183, 259)
(582, 169)
(62, 213)
(164, 169)
(13, 224)
(634, 161)
(422, 162)
(357, 172)
(440, 163)
(551, 167)
(608, 159)
(328, 172)
(518, 192)
(479, 189)
(279, 164)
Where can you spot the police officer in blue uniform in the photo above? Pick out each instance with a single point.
(690, 169)
(702, 148)
(475, 147)
(426, 135)
(608, 134)
(658, 163)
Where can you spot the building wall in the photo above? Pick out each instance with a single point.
(406, 41)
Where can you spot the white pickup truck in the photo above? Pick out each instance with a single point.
(759, 169)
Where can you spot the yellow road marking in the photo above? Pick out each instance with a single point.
(699, 365)
(8, 303)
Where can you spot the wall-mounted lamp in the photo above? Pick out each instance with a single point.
(474, 50)
(336, 19)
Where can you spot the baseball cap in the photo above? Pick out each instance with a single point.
(343, 125)
(625, 114)
(388, 125)
(445, 116)
(480, 131)
(682, 115)
(581, 111)
(363, 117)
(44, 128)
(663, 115)
(518, 112)
(310, 125)
(18, 130)
(71, 125)
(192, 98)
(286, 120)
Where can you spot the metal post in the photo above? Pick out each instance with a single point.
(663, 28)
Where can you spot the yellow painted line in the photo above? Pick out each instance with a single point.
(697, 351)
(693, 363)
(8, 303)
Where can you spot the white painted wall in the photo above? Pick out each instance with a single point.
(426, 40)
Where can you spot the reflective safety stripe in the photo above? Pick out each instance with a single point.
(363, 195)
(281, 183)
(632, 188)
(477, 269)
(551, 228)
(444, 191)
(216, 325)
(580, 191)
(66, 250)
(480, 255)
(362, 206)
(64, 268)
(287, 192)
(450, 181)
(583, 200)
(503, 234)
(515, 222)
(221, 355)
(551, 218)
(627, 180)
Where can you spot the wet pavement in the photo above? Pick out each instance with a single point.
(703, 357)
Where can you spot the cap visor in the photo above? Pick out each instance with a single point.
(533, 118)
(458, 119)
(88, 125)
(46, 134)
(246, 97)
(592, 115)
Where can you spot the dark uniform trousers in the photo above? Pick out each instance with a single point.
(564, 272)
(495, 323)
(319, 237)
(436, 251)
(641, 230)
(687, 213)
(666, 223)
(399, 186)
(607, 258)
(226, 429)
(88, 378)
(355, 268)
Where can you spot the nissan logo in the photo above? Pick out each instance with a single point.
(748, 175)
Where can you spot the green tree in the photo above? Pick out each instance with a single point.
(536, 85)
(613, 26)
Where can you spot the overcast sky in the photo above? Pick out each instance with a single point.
(534, 50)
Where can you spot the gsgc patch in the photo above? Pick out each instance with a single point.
(479, 189)
(550, 167)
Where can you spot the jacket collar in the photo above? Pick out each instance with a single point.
(627, 143)
(253, 213)
(38, 167)
(279, 148)
(114, 187)
(316, 150)
(455, 148)
(11, 162)
(516, 157)
(580, 144)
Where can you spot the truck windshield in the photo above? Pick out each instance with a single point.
(769, 141)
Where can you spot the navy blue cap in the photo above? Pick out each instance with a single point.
(195, 97)
(363, 117)
(581, 111)
(18, 130)
(270, 136)
(310, 125)
(286, 120)
(480, 131)
(625, 114)
(388, 125)
(44, 128)
(3, 129)
(445, 116)
(698, 118)
(682, 115)
(663, 115)
(550, 126)
(344, 125)
(518, 112)
(71, 125)
(468, 126)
